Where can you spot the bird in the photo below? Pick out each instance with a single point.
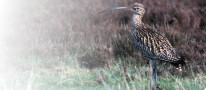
(145, 39)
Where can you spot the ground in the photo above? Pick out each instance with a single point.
(65, 44)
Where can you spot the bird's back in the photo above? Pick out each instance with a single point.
(152, 44)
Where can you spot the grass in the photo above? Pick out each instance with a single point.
(63, 75)
(41, 42)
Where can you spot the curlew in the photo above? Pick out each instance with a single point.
(146, 40)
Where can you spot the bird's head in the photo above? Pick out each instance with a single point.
(137, 8)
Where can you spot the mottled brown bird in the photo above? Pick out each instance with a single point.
(152, 45)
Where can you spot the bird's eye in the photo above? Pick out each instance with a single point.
(136, 9)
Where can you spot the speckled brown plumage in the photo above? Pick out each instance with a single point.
(148, 41)
(153, 45)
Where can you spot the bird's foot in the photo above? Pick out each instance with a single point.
(157, 85)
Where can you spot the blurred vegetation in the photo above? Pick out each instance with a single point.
(65, 44)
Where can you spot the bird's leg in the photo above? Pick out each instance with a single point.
(154, 74)
(151, 82)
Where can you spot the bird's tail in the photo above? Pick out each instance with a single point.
(180, 62)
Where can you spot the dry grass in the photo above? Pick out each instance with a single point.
(44, 42)
(182, 23)
(52, 29)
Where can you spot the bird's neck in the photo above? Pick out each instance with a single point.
(136, 20)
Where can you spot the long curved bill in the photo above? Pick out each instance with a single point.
(111, 9)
